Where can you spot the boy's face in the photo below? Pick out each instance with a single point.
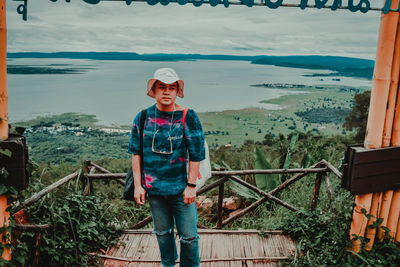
(165, 94)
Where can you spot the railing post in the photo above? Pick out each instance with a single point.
(316, 190)
(220, 199)
(330, 193)
(89, 184)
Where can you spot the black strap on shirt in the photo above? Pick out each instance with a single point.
(141, 129)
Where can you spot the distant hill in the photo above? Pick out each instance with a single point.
(344, 66)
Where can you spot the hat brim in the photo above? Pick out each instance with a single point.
(151, 82)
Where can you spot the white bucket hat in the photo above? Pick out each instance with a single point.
(165, 75)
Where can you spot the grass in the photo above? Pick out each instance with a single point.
(254, 123)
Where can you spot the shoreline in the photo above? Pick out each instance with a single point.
(233, 127)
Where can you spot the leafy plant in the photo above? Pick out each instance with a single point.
(265, 182)
(322, 240)
(82, 224)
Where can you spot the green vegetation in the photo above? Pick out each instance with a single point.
(69, 137)
(321, 235)
(324, 115)
(82, 224)
(358, 116)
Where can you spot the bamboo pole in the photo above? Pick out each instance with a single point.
(387, 130)
(3, 73)
(382, 78)
(393, 217)
(393, 91)
(397, 236)
(384, 212)
(371, 232)
(394, 213)
(4, 214)
(376, 117)
(396, 123)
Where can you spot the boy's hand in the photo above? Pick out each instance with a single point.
(189, 195)
(139, 195)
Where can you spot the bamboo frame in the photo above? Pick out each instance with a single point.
(377, 112)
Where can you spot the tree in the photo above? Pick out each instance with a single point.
(358, 116)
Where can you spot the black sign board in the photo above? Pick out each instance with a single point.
(371, 170)
(15, 163)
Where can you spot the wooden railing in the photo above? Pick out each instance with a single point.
(321, 169)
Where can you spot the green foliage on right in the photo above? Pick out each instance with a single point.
(322, 240)
(358, 116)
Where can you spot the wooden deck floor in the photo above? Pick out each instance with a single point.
(217, 248)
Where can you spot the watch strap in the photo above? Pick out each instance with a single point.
(191, 185)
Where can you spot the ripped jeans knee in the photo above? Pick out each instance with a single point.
(188, 240)
(163, 232)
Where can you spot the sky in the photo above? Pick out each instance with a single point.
(237, 30)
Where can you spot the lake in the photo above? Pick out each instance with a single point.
(115, 91)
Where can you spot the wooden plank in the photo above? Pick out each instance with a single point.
(209, 231)
(151, 251)
(364, 155)
(247, 250)
(377, 168)
(132, 250)
(270, 247)
(374, 183)
(216, 250)
(118, 251)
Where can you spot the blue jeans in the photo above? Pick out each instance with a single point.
(166, 210)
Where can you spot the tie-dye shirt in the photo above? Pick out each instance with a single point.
(166, 174)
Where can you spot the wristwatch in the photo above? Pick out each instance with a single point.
(191, 185)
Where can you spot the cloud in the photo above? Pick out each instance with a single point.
(114, 26)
